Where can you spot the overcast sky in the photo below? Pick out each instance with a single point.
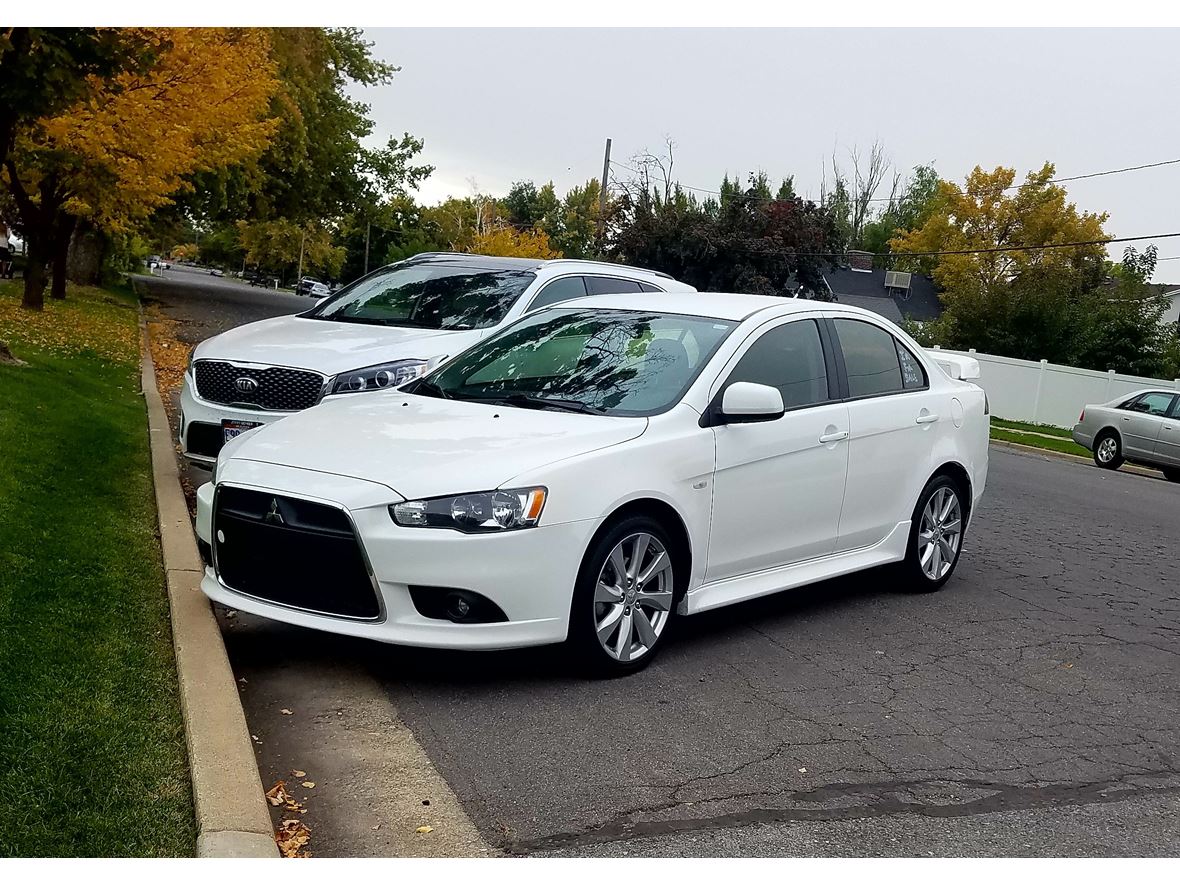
(507, 104)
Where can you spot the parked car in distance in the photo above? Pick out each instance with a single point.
(216, 272)
(1142, 428)
(305, 285)
(381, 331)
(600, 468)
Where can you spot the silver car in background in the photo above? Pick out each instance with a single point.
(1142, 428)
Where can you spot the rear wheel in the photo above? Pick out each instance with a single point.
(1108, 450)
(1172, 473)
(936, 535)
(625, 598)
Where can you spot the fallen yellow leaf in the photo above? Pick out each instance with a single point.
(309, 784)
(298, 773)
(424, 829)
(287, 712)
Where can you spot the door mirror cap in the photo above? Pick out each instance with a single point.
(745, 402)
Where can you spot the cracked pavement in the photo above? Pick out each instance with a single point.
(1030, 708)
(1042, 678)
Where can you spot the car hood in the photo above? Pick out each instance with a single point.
(330, 347)
(424, 447)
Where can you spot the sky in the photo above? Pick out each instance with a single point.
(500, 105)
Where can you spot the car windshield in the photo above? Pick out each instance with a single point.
(609, 362)
(427, 296)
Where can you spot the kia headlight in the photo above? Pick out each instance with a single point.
(384, 376)
(475, 513)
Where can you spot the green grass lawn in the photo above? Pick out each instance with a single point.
(92, 753)
(1055, 444)
(1030, 428)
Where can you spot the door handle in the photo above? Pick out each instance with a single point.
(834, 437)
(926, 419)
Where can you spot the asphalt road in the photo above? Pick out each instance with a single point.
(1030, 708)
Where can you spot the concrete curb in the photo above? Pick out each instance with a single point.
(1067, 456)
(232, 816)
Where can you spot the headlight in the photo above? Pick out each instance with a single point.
(384, 376)
(379, 377)
(476, 513)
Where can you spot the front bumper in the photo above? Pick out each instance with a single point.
(529, 574)
(201, 436)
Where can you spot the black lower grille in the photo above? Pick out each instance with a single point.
(204, 439)
(274, 388)
(292, 552)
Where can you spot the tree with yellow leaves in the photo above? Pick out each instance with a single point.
(512, 243)
(989, 213)
(126, 149)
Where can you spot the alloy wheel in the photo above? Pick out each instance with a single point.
(633, 597)
(1107, 449)
(939, 533)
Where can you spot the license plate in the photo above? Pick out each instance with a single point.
(233, 428)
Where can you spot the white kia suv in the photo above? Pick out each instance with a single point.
(598, 470)
(379, 332)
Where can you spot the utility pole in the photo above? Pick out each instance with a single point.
(299, 275)
(602, 198)
(368, 228)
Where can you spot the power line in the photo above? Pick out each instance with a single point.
(751, 198)
(990, 250)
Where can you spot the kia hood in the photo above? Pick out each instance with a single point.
(330, 347)
(424, 447)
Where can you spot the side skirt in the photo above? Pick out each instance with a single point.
(799, 574)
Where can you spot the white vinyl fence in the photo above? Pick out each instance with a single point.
(1045, 393)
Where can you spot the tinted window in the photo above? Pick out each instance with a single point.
(613, 361)
(427, 296)
(560, 290)
(1152, 403)
(913, 376)
(610, 286)
(791, 358)
(870, 356)
(648, 287)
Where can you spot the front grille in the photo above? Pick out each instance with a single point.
(293, 552)
(204, 439)
(275, 388)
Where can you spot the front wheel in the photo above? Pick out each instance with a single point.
(625, 598)
(1172, 474)
(936, 535)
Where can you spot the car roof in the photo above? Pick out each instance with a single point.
(719, 305)
(495, 262)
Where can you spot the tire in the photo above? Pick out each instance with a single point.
(1108, 450)
(647, 609)
(941, 507)
(1172, 474)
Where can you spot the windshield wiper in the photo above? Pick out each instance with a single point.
(429, 388)
(526, 400)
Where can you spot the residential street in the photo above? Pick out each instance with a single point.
(1030, 708)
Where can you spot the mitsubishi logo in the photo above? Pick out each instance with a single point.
(274, 515)
(246, 384)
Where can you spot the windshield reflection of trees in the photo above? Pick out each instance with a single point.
(457, 301)
(616, 365)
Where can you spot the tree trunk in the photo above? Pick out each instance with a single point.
(35, 276)
(87, 252)
(61, 252)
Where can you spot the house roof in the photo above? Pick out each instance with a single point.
(878, 305)
(867, 289)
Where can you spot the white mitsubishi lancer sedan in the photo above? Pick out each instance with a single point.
(600, 469)
(379, 332)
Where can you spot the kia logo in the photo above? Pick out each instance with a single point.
(246, 385)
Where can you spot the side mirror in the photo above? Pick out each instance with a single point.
(745, 402)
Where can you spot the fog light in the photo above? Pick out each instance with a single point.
(458, 608)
